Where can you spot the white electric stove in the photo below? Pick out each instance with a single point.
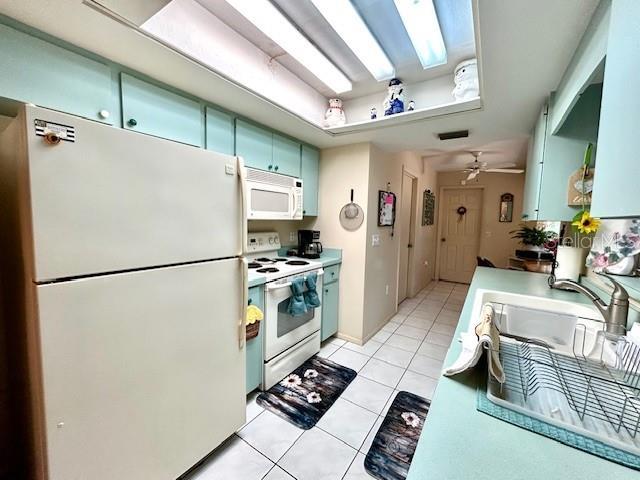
(288, 340)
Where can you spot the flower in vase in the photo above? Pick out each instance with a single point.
(585, 223)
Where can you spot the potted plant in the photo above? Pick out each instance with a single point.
(533, 238)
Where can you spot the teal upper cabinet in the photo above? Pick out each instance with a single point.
(38, 72)
(584, 68)
(616, 180)
(309, 167)
(286, 156)
(255, 145)
(150, 109)
(220, 131)
(535, 160)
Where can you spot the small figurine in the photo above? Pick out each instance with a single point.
(412, 106)
(466, 79)
(374, 113)
(394, 103)
(335, 115)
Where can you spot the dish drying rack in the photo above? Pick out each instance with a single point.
(585, 392)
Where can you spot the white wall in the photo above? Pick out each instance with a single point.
(341, 169)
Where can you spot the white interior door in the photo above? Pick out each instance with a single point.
(142, 372)
(460, 234)
(115, 200)
(407, 204)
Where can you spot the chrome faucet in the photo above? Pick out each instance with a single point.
(615, 314)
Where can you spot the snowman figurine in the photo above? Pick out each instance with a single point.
(466, 80)
(394, 103)
(335, 115)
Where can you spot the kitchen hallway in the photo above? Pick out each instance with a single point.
(407, 354)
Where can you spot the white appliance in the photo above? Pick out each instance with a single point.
(125, 253)
(288, 340)
(271, 196)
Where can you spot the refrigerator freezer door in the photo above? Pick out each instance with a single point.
(142, 372)
(114, 200)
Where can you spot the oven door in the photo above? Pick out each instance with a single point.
(282, 330)
(270, 202)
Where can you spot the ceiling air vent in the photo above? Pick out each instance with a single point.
(452, 135)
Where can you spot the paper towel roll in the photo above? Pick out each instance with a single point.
(569, 262)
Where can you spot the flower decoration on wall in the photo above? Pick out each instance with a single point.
(585, 223)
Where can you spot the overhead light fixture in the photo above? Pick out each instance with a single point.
(268, 19)
(348, 24)
(421, 22)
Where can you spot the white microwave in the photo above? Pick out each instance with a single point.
(271, 196)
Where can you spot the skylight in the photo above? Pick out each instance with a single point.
(348, 24)
(272, 23)
(421, 22)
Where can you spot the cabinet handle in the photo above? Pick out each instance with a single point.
(104, 114)
(270, 167)
(276, 169)
(326, 291)
(304, 211)
(132, 122)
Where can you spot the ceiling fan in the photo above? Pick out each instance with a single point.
(475, 168)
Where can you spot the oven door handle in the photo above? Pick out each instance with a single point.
(288, 284)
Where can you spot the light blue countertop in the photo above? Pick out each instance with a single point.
(460, 443)
(257, 281)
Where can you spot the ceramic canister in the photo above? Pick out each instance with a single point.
(569, 262)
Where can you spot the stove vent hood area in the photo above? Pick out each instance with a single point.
(299, 72)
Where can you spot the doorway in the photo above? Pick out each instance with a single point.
(407, 234)
(459, 233)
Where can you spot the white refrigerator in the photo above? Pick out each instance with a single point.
(129, 281)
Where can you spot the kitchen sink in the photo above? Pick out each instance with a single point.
(562, 369)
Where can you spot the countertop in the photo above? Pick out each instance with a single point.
(460, 443)
(329, 256)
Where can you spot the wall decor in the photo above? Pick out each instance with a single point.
(428, 207)
(386, 208)
(461, 211)
(506, 207)
(394, 102)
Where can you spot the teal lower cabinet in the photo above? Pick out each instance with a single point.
(309, 172)
(254, 348)
(219, 131)
(330, 310)
(150, 109)
(44, 74)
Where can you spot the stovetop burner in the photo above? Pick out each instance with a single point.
(264, 260)
(280, 259)
(297, 262)
(254, 265)
(268, 270)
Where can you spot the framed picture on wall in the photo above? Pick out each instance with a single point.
(386, 208)
(428, 207)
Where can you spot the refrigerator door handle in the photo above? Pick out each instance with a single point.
(242, 324)
(242, 174)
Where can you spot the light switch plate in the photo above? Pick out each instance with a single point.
(375, 240)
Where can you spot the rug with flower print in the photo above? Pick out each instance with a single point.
(395, 443)
(305, 395)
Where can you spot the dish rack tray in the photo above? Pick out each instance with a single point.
(610, 395)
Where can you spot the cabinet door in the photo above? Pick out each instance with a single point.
(309, 167)
(52, 77)
(159, 112)
(329, 310)
(286, 156)
(616, 180)
(220, 131)
(255, 359)
(534, 168)
(255, 145)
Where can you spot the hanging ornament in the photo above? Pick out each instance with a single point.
(461, 212)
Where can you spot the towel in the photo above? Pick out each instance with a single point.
(311, 298)
(485, 334)
(297, 305)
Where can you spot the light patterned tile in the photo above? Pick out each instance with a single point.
(235, 459)
(253, 409)
(336, 341)
(277, 473)
(372, 434)
(382, 372)
(368, 348)
(350, 359)
(434, 351)
(356, 470)
(419, 384)
(368, 394)
(426, 366)
(404, 343)
(327, 350)
(438, 339)
(411, 332)
(317, 455)
(422, 323)
(443, 329)
(394, 356)
(270, 435)
(348, 422)
(382, 336)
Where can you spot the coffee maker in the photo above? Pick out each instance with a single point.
(309, 245)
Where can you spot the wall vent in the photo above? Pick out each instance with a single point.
(452, 135)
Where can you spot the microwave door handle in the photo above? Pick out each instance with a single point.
(294, 202)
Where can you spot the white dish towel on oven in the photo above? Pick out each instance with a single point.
(484, 334)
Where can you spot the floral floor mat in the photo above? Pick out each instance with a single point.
(305, 395)
(395, 443)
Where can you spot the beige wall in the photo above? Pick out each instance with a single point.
(495, 241)
(283, 227)
(341, 169)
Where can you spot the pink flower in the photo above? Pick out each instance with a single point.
(600, 260)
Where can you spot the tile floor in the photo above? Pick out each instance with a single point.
(406, 354)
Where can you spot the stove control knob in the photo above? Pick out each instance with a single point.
(276, 239)
(271, 240)
(260, 241)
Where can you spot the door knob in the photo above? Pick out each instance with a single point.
(443, 239)
(409, 246)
